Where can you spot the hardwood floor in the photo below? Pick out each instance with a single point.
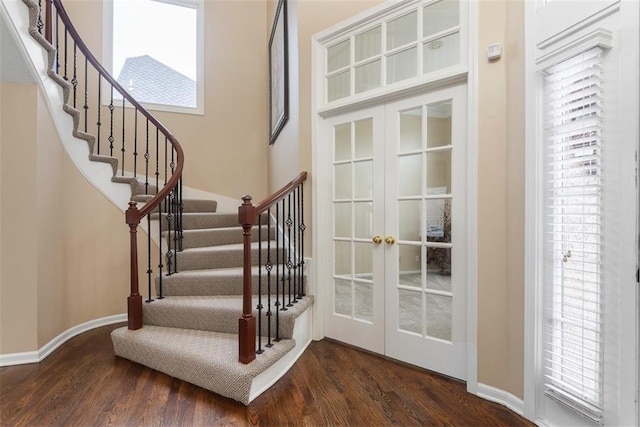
(84, 384)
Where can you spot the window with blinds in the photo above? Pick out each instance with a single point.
(573, 362)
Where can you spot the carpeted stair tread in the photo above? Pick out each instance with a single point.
(200, 220)
(216, 313)
(206, 359)
(222, 256)
(199, 238)
(188, 205)
(220, 281)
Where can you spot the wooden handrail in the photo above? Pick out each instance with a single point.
(280, 194)
(171, 183)
(247, 214)
(133, 215)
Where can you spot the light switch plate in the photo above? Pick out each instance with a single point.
(494, 51)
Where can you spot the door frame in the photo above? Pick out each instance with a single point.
(320, 166)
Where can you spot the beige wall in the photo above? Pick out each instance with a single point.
(18, 238)
(501, 198)
(226, 148)
(65, 257)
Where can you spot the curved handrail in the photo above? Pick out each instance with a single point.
(177, 173)
(170, 193)
(281, 193)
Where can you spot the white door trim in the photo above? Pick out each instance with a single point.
(472, 200)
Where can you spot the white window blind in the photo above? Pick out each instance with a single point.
(573, 364)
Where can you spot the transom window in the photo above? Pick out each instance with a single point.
(410, 44)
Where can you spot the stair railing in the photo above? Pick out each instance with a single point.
(280, 226)
(121, 132)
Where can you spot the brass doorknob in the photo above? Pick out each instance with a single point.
(377, 239)
(390, 240)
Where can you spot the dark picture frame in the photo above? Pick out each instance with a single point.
(278, 73)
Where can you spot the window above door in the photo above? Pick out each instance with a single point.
(406, 46)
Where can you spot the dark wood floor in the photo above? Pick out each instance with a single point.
(84, 384)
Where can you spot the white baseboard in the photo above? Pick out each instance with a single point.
(502, 397)
(38, 356)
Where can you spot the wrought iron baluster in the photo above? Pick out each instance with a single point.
(99, 123)
(294, 247)
(135, 142)
(165, 201)
(259, 307)
(111, 138)
(160, 253)
(172, 165)
(86, 93)
(157, 160)
(169, 221)
(57, 43)
(175, 207)
(302, 228)
(277, 303)
(66, 56)
(123, 131)
(74, 80)
(147, 156)
(180, 228)
(40, 24)
(166, 155)
(149, 270)
(284, 258)
(288, 244)
(176, 225)
(268, 267)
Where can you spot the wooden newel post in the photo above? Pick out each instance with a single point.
(134, 302)
(247, 323)
(47, 20)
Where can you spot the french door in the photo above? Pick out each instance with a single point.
(398, 243)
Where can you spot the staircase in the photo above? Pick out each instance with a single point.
(192, 333)
(190, 324)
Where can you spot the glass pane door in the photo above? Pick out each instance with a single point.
(356, 313)
(425, 223)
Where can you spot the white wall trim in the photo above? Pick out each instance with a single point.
(38, 356)
(502, 397)
(585, 23)
(601, 37)
(530, 228)
(380, 11)
(320, 292)
(472, 200)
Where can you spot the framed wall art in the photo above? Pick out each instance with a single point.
(278, 73)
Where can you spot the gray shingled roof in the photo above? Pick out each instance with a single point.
(149, 80)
